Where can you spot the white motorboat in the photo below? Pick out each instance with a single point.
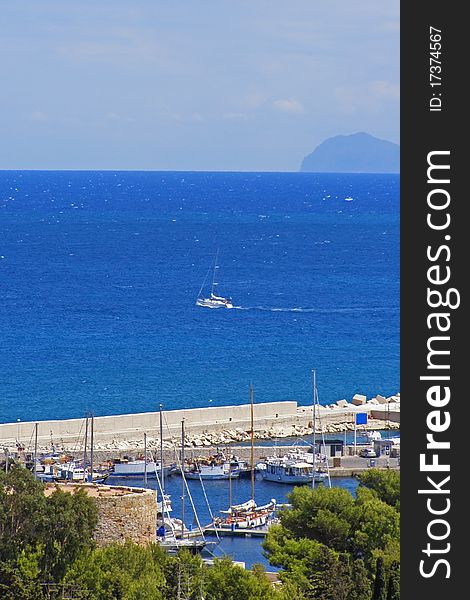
(216, 467)
(173, 545)
(212, 472)
(136, 468)
(287, 470)
(372, 436)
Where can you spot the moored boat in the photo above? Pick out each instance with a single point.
(136, 468)
(211, 472)
(246, 516)
(292, 471)
(76, 473)
(372, 436)
(215, 467)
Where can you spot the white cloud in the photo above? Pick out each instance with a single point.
(374, 97)
(254, 100)
(385, 89)
(38, 115)
(237, 116)
(289, 105)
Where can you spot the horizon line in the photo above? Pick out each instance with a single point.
(119, 170)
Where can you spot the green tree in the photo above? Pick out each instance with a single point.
(323, 515)
(380, 584)
(39, 535)
(22, 512)
(70, 521)
(330, 536)
(118, 572)
(393, 588)
(183, 573)
(386, 484)
(16, 585)
(374, 524)
(226, 581)
(318, 571)
(132, 572)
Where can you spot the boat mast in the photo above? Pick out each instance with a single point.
(91, 449)
(145, 459)
(230, 483)
(314, 423)
(161, 457)
(35, 450)
(84, 447)
(252, 437)
(182, 479)
(213, 275)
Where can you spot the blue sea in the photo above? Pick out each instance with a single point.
(99, 272)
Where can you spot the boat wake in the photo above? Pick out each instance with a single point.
(300, 309)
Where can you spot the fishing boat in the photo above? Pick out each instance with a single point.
(211, 472)
(138, 468)
(215, 468)
(212, 300)
(85, 470)
(299, 467)
(247, 515)
(75, 472)
(289, 470)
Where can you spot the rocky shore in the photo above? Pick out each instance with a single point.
(226, 437)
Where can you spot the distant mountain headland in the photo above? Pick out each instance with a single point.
(356, 153)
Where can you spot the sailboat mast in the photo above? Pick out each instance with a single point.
(35, 451)
(84, 447)
(91, 449)
(314, 424)
(182, 479)
(145, 459)
(213, 275)
(252, 438)
(161, 455)
(230, 483)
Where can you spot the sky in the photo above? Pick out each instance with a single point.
(213, 85)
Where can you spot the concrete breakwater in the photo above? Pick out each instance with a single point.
(204, 426)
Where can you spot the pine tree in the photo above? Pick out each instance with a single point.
(393, 588)
(380, 588)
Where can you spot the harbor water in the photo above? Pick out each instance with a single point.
(246, 549)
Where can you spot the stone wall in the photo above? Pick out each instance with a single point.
(126, 516)
(204, 426)
(124, 513)
(132, 426)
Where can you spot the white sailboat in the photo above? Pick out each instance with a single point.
(212, 300)
(172, 534)
(248, 515)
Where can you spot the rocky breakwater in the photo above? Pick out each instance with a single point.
(123, 434)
